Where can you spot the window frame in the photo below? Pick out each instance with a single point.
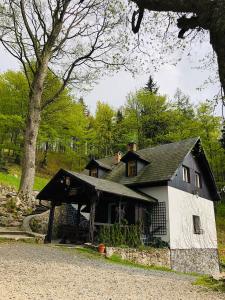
(93, 171)
(134, 166)
(198, 180)
(197, 228)
(186, 175)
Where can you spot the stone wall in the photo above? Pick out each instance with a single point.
(149, 257)
(39, 223)
(202, 261)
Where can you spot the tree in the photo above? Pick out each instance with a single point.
(197, 15)
(58, 127)
(103, 129)
(146, 115)
(77, 40)
(183, 104)
(151, 86)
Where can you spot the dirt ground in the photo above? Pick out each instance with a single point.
(30, 271)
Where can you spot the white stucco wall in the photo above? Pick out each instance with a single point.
(161, 194)
(182, 207)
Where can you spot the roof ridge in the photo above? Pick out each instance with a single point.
(171, 143)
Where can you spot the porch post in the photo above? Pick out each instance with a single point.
(78, 213)
(48, 237)
(92, 218)
(78, 219)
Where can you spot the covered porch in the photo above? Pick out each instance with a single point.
(105, 202)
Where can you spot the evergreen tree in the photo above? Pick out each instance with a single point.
(151, 86)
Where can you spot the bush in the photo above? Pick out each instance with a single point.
(117, 235)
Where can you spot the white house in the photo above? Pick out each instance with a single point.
(174, 180)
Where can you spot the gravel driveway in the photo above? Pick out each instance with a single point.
(44, 272)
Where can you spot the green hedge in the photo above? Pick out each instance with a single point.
(117, 235)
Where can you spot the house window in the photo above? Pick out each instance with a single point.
(131, 168)
(158, 219)
(198, 181)
(186, 174)
(197, 225)
(94, 172)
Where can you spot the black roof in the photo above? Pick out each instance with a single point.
(163, 160)
(54, 189)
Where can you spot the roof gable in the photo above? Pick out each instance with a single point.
(131, 155)
(94, 163)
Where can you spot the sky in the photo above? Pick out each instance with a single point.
(114, 89)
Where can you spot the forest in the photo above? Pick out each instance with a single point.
(70, 135)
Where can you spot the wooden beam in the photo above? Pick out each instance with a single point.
(48, 237)
(92, 217)
(78, 220)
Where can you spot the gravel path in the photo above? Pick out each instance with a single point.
(44, 272)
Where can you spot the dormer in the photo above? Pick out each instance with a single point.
(97, 168)
(134, 161)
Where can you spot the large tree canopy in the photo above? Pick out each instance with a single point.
(193, 14)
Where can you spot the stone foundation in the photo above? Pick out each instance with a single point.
(149, 257)
(202, 261)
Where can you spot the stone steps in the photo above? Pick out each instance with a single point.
(10, 233)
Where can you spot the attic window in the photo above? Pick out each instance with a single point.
(186, 174)
(198, 181)
(131, 168)
(94, 172)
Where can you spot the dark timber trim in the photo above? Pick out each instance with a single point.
(48, 237)
(92, 217)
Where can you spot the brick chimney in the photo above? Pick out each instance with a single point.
(132, 146)
(118, 157)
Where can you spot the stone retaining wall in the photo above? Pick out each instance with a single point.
(149, 257)
(202, 261)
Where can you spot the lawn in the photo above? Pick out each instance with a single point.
(13, 180)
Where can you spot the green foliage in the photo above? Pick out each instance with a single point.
(69, 135)
(210, 282)
(117, 235)
(156, 242)
(118, 260)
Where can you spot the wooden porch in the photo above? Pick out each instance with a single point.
(106, 202)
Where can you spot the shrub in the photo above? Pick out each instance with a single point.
(117, 235)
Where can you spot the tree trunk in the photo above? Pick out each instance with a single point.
(217, 40)
(31, 133)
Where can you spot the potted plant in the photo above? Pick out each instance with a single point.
(101, 248)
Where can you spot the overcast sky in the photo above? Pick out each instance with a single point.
(114, 89)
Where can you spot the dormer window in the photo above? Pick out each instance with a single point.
(94, 172)
(131, 168)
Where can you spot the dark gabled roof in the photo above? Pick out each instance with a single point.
(98, 163)
(96, 183)
(111, 187)
(134, 155)
(164, 160)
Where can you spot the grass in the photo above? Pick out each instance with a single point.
(13, 180)
(210, 283)
(116, 259)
